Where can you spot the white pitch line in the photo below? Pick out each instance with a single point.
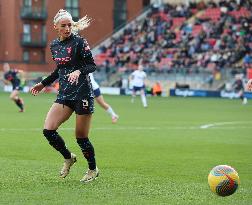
(98, 128)
(217, 124)
(104, 128)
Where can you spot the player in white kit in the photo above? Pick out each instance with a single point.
(138, 78)
(100, 100)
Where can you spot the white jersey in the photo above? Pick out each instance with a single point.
(93, 82)
(138, 77)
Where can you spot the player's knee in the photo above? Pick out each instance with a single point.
(50, 135)
(50, 124)
(53, 139)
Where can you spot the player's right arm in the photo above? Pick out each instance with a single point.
(51, 78)
(36, 89)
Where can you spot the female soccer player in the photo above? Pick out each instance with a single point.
(11, 75)
(138, 78)
(239, 88)
(100, 100)
(74, 62)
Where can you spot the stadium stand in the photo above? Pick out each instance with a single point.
(187, 39)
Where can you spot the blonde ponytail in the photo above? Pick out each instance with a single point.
(83, 23)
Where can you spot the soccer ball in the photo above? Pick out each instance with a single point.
(223, 180)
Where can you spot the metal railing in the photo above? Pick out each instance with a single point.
(27, 40)
(33, 13)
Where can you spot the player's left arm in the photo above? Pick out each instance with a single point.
(88, 64)
(19, 73)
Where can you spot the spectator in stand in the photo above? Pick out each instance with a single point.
(229, 36)
(247, 60)
(157, 89)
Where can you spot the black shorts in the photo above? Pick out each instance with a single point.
(16, 86)
(97, 92)
(136, 88)
(80, 107)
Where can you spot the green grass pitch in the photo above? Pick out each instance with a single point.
(158, 155)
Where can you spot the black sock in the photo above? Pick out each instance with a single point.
(57, 142)
(19, 103)
(88, 152)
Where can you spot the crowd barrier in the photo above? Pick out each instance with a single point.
(207, 93)
(173, 92)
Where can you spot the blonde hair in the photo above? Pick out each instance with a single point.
(83, 23)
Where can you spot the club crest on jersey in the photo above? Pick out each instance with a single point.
(69, 49)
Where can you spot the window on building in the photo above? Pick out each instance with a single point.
(26, 56)
(146, 3)
(27, 3)
(27, 33)
(120, 13)
(44, 33)
(72, 6)
(42, 56)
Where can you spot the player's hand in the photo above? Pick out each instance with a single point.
(35, 90)
(73, 77)
(6, 82)
(249, 85)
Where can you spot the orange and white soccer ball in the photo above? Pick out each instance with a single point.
(223, 180)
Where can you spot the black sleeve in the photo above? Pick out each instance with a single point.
(51, 78)
(88, 64)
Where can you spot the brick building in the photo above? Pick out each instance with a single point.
(27, 28)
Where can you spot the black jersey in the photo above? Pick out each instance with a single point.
(238, 85)
(72, 54)
(11, 76)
